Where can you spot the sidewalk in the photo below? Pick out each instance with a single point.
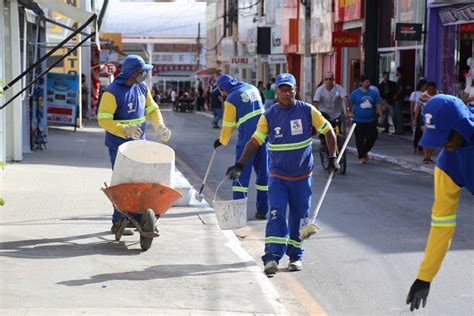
(58, 256)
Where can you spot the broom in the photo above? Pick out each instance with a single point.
(200, 196)
(312, 229)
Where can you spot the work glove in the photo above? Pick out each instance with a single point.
(333, 165)
(418, 294)
(217, 143)
(164, 133)
(234, 172)
(133, 131)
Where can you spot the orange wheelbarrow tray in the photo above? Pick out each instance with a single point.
(144, 199)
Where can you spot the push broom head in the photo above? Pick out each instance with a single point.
(307, 231)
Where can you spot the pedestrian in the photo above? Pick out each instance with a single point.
(124, 108)
(424, 98)
(449, 124)
(387, 89)
(414, 103)
(399, 99)
(288, 125)
(173, 97)
(331, 100)
(468, 95)
(84, 98)
(269, 96)
(216, 106)
(260, 88)
(242, 109)
(364, 104)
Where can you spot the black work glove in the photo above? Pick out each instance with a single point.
(217, 143)
(233, 172)
(418, 294)
(333, 165)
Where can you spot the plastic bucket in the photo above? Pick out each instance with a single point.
(142, 161)
(231, 214)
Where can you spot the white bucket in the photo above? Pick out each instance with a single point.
(144, 161)
(230, 214)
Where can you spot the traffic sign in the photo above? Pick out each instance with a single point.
(110, 68)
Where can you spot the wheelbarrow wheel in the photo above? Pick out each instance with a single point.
(148, 225)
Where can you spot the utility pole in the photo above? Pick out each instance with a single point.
(198, 48)
(307, 71)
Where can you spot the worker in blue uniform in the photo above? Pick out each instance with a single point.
(449, 124)
(243, 107)
(288, 125)
(124, 108)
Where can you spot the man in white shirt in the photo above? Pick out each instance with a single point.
(469, 94)
(330, 98)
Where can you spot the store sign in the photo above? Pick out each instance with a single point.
(240, 62)
(174, 58)
(345, 39)
(348, 10)
(276, 47)
(276, 59)
(157, 69)
(457, 15)
(62, 98)
(408, 32)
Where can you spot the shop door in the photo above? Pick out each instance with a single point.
(386, 63)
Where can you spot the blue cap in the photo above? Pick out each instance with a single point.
(130, 65)
(285, 79)
(442, 114)
(227, 83)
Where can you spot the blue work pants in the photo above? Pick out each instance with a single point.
(282, 236)
(260, 164)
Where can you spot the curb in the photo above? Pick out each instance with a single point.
(393, 160)
(375, 156)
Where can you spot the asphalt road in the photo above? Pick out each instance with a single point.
(374, 225)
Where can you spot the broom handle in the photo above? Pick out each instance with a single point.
(328, 182)
(207, 170)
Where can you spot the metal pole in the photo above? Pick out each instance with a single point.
(60, 45)
(47, 70)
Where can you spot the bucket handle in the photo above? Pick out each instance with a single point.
(222, 181)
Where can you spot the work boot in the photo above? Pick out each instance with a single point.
(296, 265)
(260, 216)
(127, 232)
(271, 267)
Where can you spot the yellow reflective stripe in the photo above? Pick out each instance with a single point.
(228, 124)
(294, 243)
(291, 146)
(248, 116)
(150, 109)
(240, 189)
(139, 120)
(261, 187)
(276, 240)
(443, 221)
(261, 136)
(324, 128)
(104, 116)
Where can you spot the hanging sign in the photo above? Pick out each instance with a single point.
(408, 31)
(62, 98)
(345, 39)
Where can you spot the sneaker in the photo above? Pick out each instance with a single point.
(260, 216)
(271, 267)
(296, 265)
(366, 158)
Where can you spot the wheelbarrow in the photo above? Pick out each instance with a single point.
(151, 200)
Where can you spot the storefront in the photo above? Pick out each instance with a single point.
(449, 45)
(348, 17)
(324, 59)
(401, 43)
